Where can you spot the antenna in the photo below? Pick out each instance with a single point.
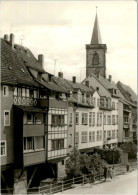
(55, 67)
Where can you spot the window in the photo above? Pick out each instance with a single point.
(95, 59)
(3, 148)
(113, 134)
(90, 118)
(117, 133)
(38, 118)
(27, 92)
(104, 119)
(31, 93)
(109, 134)
(113, 105)
(98, 135)
(43, 94)
(98, 121)
(39, 143)
(84, 118)
(113, 119)
(108, 120)
(91, 136)
(98, 102)
(100, 118)
(84, 137)
(15, 91)
(77, 118)
(57, 144)
(94, 101)
(116, 119)
(5, 91)
(70, 139)
(93, 118)
(104, 135)
(35, 94)
(70, 118)
(29, 118)
(28, 144)
(19, 92)
(6, 118)
(76, 137)
(23, 92)
(57, 120)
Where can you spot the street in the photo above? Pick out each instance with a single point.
(123, 184)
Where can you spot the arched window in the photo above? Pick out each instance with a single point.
(95, 59)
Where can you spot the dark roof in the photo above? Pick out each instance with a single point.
(13, 70)
(127, 92)
(52, 86)
(107, 84)
(30, 108)
(70, 86)
(28, 58)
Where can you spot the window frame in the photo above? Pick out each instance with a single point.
(84, 137)
(7, 91)
(77, 118)
(4, 141)
(6, 125)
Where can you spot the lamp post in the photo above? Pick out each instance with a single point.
(113, 157)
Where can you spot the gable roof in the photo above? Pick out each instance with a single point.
(70, 86)
(13, 70)
(28, 58)
(127, 92)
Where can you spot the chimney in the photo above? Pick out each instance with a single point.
(97, 88)
(41, 59)
(6, 37)
(74, 79)
(87, 84)
(60, 74)
(110, 78)
(12, 40)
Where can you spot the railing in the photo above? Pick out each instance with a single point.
(61, 186)
(19, 100)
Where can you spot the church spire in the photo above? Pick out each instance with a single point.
(96, 36)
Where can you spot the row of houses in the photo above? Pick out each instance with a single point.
(43, 116)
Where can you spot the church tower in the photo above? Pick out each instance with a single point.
(96, 53)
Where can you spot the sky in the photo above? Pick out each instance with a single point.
(61, 29)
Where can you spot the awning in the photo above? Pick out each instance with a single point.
(30, 109)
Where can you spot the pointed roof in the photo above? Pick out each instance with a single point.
(96, 36)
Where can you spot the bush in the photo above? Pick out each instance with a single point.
(108, 154)
(130, 148)
(79, 164)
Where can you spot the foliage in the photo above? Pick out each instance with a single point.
(78, 164)
(72, 166)
(109, 155)
(130, 148)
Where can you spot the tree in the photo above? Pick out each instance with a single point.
(72, 166)
(78, 164)
(130, 148)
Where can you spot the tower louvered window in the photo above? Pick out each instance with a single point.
(95, 59)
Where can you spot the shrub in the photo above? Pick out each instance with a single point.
(108, 154)
(130, 148)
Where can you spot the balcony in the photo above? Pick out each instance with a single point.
(20, 100)
(33, 130)
(105, 107)
(34, 157)
(44, 103)
(126, 126)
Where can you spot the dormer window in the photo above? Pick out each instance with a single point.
(79, 96)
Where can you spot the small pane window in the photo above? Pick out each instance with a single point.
(3, 148)
(6, 118)
(5, 91)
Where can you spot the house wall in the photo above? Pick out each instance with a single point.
(7, 132)
(120, 121)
